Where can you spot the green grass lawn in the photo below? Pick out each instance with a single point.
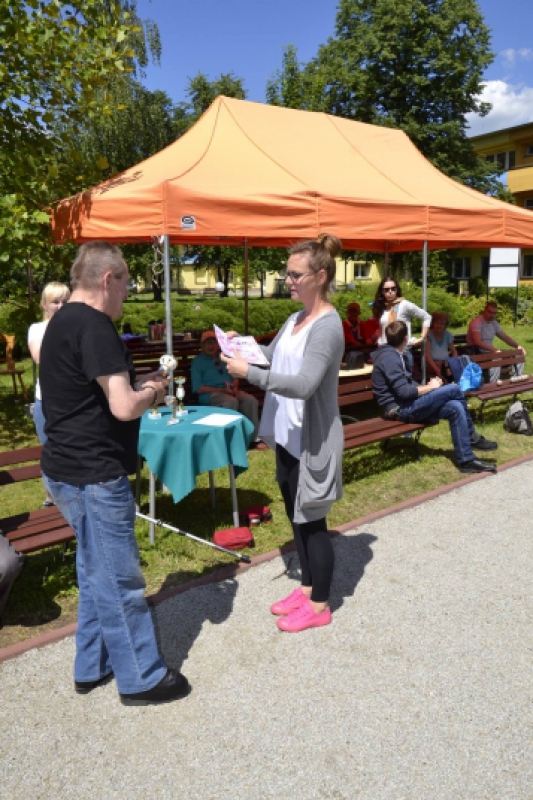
(45, 595)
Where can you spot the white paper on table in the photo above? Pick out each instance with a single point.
(245, 346)
(218, 420)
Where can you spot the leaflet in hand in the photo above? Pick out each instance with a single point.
(244, 346)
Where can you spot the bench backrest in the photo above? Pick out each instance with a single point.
(504, 358)
(355, 390)
(11, 473)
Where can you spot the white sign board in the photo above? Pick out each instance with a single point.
(503, 277)
(504, 256)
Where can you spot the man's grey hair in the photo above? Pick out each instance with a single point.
(93, 260)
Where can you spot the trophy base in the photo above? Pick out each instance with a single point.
(154, 415)
(173, 422)
(182, 413)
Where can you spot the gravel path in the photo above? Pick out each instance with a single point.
(420, 689)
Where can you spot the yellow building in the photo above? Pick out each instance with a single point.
(511, 151)
(195, 280)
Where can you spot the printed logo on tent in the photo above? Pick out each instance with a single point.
(188, 223)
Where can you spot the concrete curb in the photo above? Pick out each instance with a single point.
(233, 570)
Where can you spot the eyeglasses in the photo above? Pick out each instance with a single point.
(390, 289)
(296, 277)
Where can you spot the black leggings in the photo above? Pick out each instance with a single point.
(312, 539)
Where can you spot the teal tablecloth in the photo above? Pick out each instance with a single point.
(176, 454)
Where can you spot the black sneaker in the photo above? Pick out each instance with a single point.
(484, 444)
(476, 465)
(84, 687)
(173, 686)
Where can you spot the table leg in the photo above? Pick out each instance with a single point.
(234, 496)
(212, 488)
(152, 506)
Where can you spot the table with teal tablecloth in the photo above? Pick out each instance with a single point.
(176, 454)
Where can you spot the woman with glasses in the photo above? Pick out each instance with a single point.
(301, 422)
(53, 297)
(389, 305)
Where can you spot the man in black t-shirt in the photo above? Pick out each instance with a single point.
(92, 405)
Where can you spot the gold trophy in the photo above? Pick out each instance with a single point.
(180, 393)
(172, 401)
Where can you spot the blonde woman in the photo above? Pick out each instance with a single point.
(301, 422)
(54, 296)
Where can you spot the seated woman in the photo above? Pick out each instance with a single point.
(441, 347)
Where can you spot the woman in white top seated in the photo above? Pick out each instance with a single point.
(389, 305)
(54, 296)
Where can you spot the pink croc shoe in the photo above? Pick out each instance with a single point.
(304, 617)
(290, 603)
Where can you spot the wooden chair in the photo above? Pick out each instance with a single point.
(11, 368)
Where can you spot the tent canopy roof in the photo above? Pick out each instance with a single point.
(274, 176)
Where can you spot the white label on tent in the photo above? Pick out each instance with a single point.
(188, 223)
(503, 277)
(504, 256)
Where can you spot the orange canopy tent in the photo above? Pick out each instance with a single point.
(273, 175)
(252, 174)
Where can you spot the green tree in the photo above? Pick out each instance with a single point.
(201, 93)
(141, 126)
(56, 59)
(412, 64)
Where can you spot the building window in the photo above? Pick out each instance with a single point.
(361, 269)
(527, 268)
(528, 203)
(461, 268)
(529, 150)
(485, 264)
(503, 161)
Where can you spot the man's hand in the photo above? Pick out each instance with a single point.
(435, 383)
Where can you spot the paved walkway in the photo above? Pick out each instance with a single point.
(420, 689)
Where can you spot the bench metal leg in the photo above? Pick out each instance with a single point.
(152, 507)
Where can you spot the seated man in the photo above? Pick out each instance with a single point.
(214, 385)
(401, 398)
(481, 333)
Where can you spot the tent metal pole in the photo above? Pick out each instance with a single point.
(246, 285)
(168, 300)
(424, 302)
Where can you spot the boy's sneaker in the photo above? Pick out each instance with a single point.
(484, 444)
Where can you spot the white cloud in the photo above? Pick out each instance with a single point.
(512, 56)
(512, 104)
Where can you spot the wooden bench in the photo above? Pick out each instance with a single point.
(358, 433)
(506, 387)
(30, 530)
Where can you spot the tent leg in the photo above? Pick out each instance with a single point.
(168, 303)
(424, 302)
(246, 271)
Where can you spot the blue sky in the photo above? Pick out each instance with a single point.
(247, 37)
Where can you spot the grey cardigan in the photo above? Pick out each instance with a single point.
(320, 476)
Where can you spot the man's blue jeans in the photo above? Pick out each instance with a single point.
(447, 402)
(115, 629)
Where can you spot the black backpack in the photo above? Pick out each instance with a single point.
(517, 420)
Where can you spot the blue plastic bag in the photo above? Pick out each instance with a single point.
(471, 377)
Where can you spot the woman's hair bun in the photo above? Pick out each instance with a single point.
(330, 243)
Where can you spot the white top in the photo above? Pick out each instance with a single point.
(35, 334)
(405, 311)
(281, 419)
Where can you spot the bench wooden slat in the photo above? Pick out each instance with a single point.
(30, 530)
